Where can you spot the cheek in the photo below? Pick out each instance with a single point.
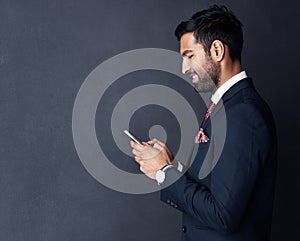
(198, 67)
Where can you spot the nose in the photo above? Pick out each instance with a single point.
(185, 66)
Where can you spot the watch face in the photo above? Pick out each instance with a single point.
(160, 176)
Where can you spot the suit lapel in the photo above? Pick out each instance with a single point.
(242, 84)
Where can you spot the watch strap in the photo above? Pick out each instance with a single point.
(166, 167)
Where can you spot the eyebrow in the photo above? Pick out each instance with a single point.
(186, 52)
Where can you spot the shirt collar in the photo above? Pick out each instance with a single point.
(226, 86)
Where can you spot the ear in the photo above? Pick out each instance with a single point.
(217, 50)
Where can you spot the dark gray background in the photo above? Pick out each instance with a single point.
(47, 49)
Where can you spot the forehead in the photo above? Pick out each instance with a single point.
(188, 44)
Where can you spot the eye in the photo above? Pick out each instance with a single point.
(191, 56)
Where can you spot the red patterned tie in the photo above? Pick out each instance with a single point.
(201, 137)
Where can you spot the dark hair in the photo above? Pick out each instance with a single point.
(215, 23)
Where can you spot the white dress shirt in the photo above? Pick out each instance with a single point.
(226, 86)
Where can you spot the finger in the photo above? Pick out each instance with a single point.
(136, 153)
(158, 146)
(142, 169)
(145, 170)
(155, 144)
(160, 143)
(156, 141)
(137, 159)
(152, 142)
(133, 144)
(138, 147)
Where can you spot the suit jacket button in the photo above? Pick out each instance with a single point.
(168, 201)
(184, 229)
(172, 204)
(175, 205)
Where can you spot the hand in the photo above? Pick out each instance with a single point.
(151, 156)
(160, 145)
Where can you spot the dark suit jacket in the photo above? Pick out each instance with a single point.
(235, 201)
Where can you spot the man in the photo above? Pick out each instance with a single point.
(235, 200)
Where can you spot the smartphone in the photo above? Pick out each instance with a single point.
(132, 137)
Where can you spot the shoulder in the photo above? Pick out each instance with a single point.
(248, 115)
(248, 106)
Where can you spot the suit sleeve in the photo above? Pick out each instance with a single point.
(222, 205)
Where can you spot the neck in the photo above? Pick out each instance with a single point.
(228, 70)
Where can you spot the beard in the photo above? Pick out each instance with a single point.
(209, 80)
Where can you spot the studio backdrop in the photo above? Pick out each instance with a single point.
(75, 74)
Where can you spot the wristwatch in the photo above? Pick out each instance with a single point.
(160, 175)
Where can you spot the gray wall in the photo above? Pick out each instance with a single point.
(48, 48)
